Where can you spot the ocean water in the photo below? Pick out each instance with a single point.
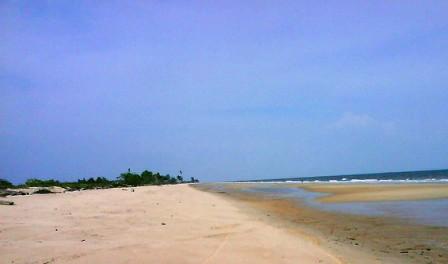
(427, 212)
(405, 176)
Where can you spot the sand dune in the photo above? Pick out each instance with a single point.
(169, 224)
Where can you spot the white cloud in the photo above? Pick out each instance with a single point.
(351, 120)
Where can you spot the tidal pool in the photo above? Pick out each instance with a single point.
(428, 212)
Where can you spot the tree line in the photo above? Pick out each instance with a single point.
(124, 180)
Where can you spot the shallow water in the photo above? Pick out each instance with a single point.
(428, 212)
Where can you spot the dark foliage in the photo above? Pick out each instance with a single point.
(125, 179)
(130, 178)
(194, 180)
(4, 184)
(41, 183)
(146, 178)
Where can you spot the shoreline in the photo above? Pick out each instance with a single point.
(352, 237)
(203, 223)
(151, 224)
(363, 192)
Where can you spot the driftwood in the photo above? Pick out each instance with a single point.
(3, 202)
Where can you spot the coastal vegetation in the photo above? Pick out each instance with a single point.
(124, 180)
(4, 184)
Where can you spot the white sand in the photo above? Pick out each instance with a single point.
(117, 226)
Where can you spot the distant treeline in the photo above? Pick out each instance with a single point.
(125, 179)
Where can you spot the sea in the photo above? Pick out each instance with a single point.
(403, 176)
(432, 212)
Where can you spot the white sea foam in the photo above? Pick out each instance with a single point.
(345, 180)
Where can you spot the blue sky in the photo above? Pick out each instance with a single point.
(223, 90)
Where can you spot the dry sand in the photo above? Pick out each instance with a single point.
(169, 224)
(378, 192)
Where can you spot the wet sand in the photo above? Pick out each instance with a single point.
(377, 192)
(351, 237)
(154, 224)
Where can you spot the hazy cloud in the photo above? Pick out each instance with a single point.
(351, 120)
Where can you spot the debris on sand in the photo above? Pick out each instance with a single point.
(3, 202)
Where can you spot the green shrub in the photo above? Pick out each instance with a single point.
(130, 178)
(41, 183)
(4, 184)
(125, 179)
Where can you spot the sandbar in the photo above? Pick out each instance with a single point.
(377, 192)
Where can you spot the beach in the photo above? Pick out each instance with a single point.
(351, 237)
(213, 223)
(151, 224)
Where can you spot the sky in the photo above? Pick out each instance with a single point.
(223, 90)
